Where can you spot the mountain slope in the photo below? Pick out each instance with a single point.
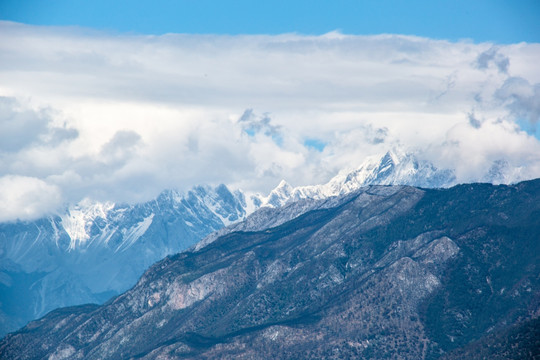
(383, 272)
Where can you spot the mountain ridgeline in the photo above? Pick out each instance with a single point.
(380, 272)
(94, 251)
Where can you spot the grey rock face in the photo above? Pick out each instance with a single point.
(384, 272)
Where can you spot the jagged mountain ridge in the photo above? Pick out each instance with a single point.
(383, 272)
(96, 250)
(393, 168)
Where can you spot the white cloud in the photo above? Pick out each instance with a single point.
(121, 117)
(26, 198)
(472, 151)
(21, 127)
(522, 98)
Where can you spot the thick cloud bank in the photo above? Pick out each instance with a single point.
(26, 198)
(121, 117)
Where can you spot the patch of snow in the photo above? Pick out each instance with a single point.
(214, 208)
(132, 234)
(63, 352)
(56, 235)
(394, 168)
(78, 219)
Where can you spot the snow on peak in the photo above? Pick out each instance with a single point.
(132, 234)
(77, 220)
(277, 197)
(392, 168)
(228, 206)
(395, 167)
(284, 185)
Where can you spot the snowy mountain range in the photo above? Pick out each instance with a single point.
(95, 250)
(394, 168)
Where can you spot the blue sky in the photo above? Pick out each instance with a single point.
(501, 21)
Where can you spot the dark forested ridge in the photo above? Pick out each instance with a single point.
(386, 272)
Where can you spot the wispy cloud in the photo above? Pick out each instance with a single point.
(121, 117)
(22, 127)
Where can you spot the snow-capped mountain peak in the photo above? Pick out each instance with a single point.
(277, 197)
(94, 250)
(77, 219)
(395, 167)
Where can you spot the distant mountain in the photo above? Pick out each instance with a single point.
(394, 168)
(96, 250)
(380, 272)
